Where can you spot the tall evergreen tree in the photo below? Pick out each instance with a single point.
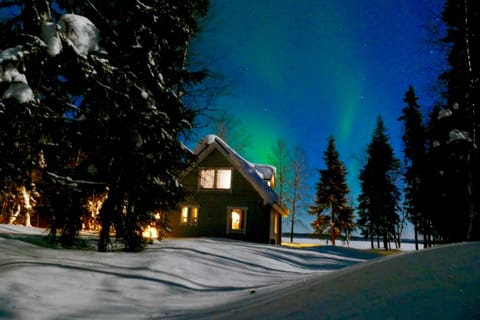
(378, 201)
(108, 79)
(331, 193)
(37, 102)
(414, 140)
(455, 127)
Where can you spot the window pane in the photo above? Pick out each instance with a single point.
(276, 224)
(184, 216)
(207, 178)
(224, 178)
(194, 216)
(237, 219)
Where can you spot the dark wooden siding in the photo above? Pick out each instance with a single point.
(213, 204)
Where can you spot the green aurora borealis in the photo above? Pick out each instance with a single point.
(301, 70)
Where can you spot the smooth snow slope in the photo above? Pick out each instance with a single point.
(172, 279)
(224, 279)
(439, 283)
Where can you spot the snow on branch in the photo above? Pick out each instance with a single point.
(76, 30)
(69, 182)
(51, 38)
(444, 113)
(19, 89)
(458, 135)
(12, 54)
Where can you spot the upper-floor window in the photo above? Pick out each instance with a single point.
(216, 178)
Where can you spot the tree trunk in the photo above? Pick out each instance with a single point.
(371, 238)
(332, 226)
(293, 219)
(104, 236)
(385, 239)
(106, 218)
(415, 232)
(291, 227)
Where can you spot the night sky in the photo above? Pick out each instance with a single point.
(302, 70)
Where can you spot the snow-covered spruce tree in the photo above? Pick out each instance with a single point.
(134, 116)
(378, 201)
(331, 193)
(118, 74)
(414, 141)
(454, 148)
(37, 138)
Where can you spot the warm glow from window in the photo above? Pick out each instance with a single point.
(189, 216)
(224, 178)
(216, 179)
(207, 178)
(150, 233)
(276, 224)
(236, 219)
(184, 217)
(195, 216)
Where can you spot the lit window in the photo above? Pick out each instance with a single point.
(276, 224)
(194, 216)
(216, 179)
(237, 219)
(207, 178)
(189, 216)
(224, 178)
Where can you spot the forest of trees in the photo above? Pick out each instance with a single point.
(453, 164)
(441, 153)
(441, 163)
(92, 104)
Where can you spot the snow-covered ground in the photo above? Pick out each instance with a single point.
(355, 244)
(224, 279)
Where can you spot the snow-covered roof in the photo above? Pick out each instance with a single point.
(256, 174)
(266, 171)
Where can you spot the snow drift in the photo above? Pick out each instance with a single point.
(438, 283)
(218, 278)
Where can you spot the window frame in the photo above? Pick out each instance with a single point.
(216, 175)
(276, 223)
(192, 221)
(244, 211)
